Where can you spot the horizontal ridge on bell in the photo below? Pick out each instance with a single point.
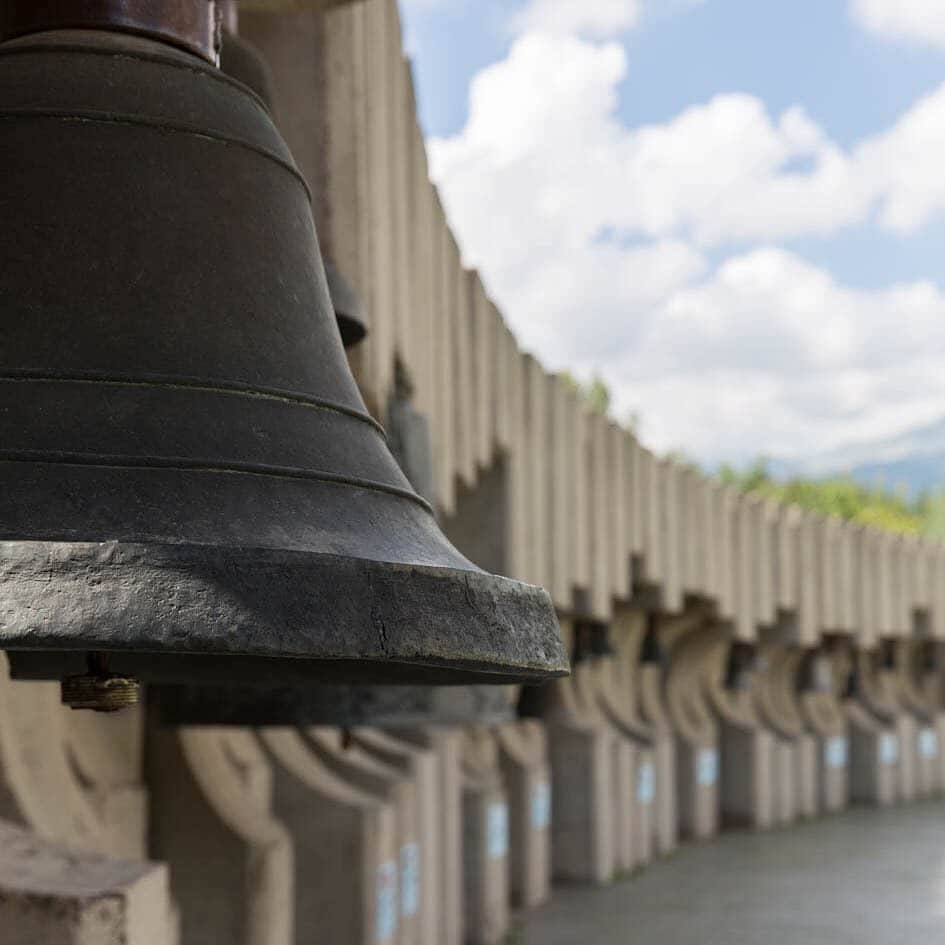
(189, 480)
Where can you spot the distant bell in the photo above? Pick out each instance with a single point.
(740, 667)
(651, 651)
(191, 488)
(815, 673)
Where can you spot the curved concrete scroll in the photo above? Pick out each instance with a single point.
(932, 686)
(358, 767)
(644, 686)
(594, 705)
(581, 752)
(824, 716)
(916, 704)
(879, 694)
(747, 747)
(523, 756)
(874, 740)
(107, 753)
(696, 730)
(230, 860)
(795, 751)
(617, 704)
(345, 842)
(41, 787)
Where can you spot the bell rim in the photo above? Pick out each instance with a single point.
(416, 623)
(346, 706)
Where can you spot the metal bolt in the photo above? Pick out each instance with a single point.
(98, 689)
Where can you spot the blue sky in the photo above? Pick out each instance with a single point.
(737, 202)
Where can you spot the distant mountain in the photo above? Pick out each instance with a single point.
(914, 459)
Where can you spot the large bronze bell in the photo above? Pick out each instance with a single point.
(345, 706)
(190, 485)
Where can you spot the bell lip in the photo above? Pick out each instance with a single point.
(349, 706)
(418, 624)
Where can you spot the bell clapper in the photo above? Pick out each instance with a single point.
(98, 689)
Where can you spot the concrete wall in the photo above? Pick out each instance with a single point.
(280, 837)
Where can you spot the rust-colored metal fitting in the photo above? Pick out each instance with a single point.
(194, 25)
(98, 689)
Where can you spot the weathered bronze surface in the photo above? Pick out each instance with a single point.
(193, 25)
(189, 480)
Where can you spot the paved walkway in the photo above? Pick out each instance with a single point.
(861, 878)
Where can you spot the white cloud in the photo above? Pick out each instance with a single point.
(771, 354)
(593, 237)
(596, 18)
(921, 21)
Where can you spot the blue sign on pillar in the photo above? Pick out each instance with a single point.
(498, 831)
(707, 767)
(646, 783)
(386, 901)
(541, 805)
(888, 748)
(409, 879)
(836, 752)
(928, 743)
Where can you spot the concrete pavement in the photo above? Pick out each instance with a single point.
(861, 878)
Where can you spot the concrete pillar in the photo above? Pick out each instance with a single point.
(874, 755)
(53, 894)
(636, 801)
(485, 841)
(645, 690)
(523, 753)
(826, 720)
(594, 704)
(446, 826)
(747, 748)
(230, 860)
(921, 710)
(895, 737)
(346, 851)
(106, 751)
(419, 860)
(78, 782)
(697, 734)
(795, 751)
(352, 763)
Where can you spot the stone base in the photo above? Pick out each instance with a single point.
(582, 829)
(529, 794)
(747, 791)
(51, 894)
(833, 772)
(486, 862)
(874, 767)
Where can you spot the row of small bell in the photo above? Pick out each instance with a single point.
(191, 488)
